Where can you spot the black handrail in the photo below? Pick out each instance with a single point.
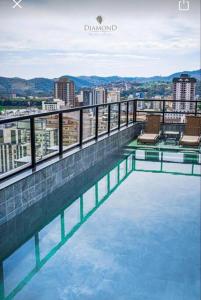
(68, 110)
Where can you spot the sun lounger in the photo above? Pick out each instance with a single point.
(192, 131)
(151, 133)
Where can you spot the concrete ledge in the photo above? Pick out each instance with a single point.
(20, 195)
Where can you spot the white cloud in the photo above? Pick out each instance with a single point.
(54, 36)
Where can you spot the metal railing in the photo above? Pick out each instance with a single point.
(116, 115)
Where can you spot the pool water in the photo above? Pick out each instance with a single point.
(134, 234)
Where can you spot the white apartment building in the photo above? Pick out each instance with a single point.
(86, 97)
(10, 154)
(183, 90)
(113, 96)
(15, 147)
(56, 104)
(99, 95)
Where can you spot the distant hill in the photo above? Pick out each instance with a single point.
(196, 74)
(44, 86)
(23, 87)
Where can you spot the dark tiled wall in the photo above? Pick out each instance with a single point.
(22, 194)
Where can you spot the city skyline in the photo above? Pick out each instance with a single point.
(48, 39)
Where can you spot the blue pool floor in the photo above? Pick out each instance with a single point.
(142, 243)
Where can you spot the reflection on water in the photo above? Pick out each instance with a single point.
(18, 265)
(19, 268)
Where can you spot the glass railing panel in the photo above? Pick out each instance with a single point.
(145, 107)
(89, 119)
(102, 119)
(180, 106)
(142, 116)
(199, 107)
(130, 111)
(150, 105)
(71, 129)
(169, 106)
(175, 118)
(15, 146)
(123, 113)
(114, 116)
(176, 111)
(46, 136)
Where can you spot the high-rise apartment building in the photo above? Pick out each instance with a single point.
(86, 97)
(64, 89)
(99, 95)
(14, 145)
(11, 153)
(184, 90)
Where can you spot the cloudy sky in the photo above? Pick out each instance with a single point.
(46, 38)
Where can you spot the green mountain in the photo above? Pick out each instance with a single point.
(44, 86)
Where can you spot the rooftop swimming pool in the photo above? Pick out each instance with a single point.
(128, 229)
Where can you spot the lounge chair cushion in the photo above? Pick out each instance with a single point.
(148, 138)
(190, 140)
(193, 126)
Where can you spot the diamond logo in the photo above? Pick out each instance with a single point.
(99, 19)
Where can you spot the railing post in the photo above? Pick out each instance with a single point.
(81, 126)
(62, 226)
(96, 193)
(81, 209)
(96, 124)
(134, 110)
(37, 250)
(60, 133)
(109, 117)
(163, 111)
(119, 115)
(196, 108)
(33, 143)
(127, 111)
